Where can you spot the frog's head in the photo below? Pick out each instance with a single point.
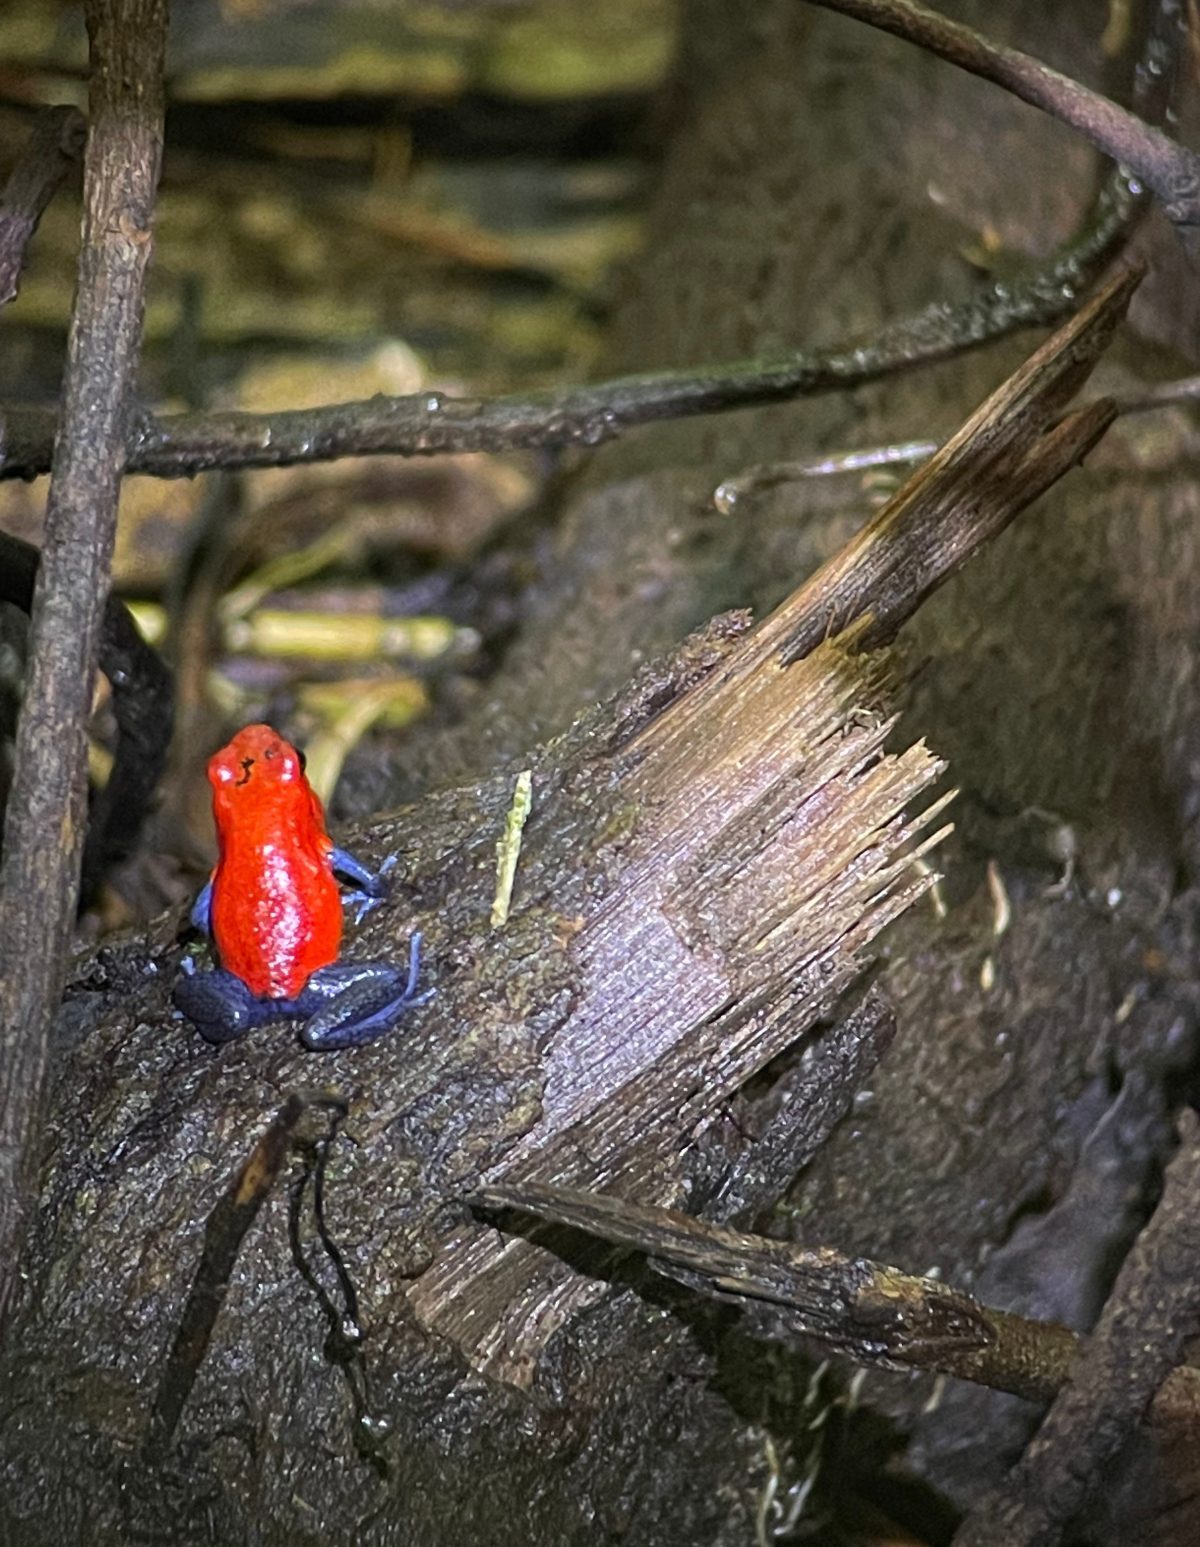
(257, 760)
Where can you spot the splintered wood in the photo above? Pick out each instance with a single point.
(771, 846)
(762, 836)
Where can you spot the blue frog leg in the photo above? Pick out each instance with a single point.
(220, 1006)
(370, 887)
(201, 914)
(354, 1002)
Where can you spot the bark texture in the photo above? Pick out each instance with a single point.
(820, 179)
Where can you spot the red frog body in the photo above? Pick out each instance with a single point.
(276, 906)
(273, 908)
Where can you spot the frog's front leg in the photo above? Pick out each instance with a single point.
(219, 1005)
(201, 914)
(355, 1002)
(371, 887)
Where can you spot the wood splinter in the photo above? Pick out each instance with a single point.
(768, 838)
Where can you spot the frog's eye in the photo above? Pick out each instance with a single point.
(280, 754)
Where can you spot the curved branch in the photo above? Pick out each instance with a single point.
(54, 146)
(1169, 170)
(425, 423)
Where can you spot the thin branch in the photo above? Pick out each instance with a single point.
(425, 423)
(39, 879)
(732, 493)
(54, 146)
(1152, 1312)
(1169, 170)
(874, 1314)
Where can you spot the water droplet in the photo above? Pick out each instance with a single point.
(433, 403)
(599, 427)
(725, 497)
(351, 1330)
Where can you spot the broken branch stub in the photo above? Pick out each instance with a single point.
(760, 838)
(865, 1310)
(1011, 450)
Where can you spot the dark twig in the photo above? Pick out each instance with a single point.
(44, 829)
(143, 704)
(180, 445)
(732, 493)
(235, 1212)
(1152, 1312)
(51, 150)
(1169, 170)
(871, 1313)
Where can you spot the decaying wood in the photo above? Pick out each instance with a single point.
(708, 862)
(767, 847)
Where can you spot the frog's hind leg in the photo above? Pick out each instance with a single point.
(355, 1002)
(219, 1005)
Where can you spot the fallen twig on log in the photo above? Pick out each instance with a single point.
(872, 1313)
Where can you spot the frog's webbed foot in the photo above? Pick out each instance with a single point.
(371, 887)
(355, 1002)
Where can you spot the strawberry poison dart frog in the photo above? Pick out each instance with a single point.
(274, 909)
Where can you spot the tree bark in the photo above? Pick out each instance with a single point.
(820, 179)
